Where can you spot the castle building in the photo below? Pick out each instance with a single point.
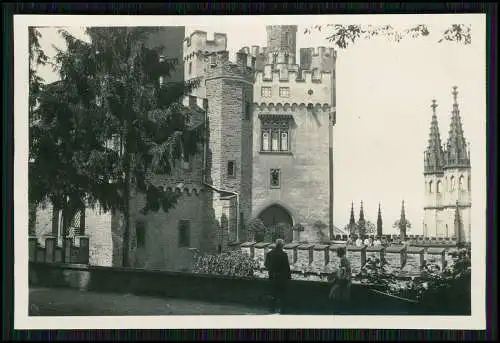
(447, 175)
(267, 121)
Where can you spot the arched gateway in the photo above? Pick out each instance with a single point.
(279, 222)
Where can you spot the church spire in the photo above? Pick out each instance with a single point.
(379, 222)
(402, 222)
(433, 157)
(352, 220)
(361, 222)
(457, 154)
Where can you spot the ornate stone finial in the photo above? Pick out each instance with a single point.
(455, 94)
(434, 105)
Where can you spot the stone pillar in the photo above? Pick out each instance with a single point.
(68, 244)
(305, 253)
(260, 251)
(357, 257)
(291, 251)
(50, 249)
(415, 258)
(248, 248)
(377, 252)
(334, 260)
(321, 255)
(395, 256)
(32, 244)
(436, 256)
(83, 250)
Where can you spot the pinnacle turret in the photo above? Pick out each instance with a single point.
(457, 152)
(434, 156)
(361, 213)
(379, 222)
(402, 221)
(352, 220)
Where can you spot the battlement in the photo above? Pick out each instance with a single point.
(292, 75)
(278, 108)
(197, 42)
(220, 66)
(321, 58)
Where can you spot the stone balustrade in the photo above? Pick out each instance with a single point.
(410, 259)
(47, 250)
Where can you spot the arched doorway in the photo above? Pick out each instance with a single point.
(278, 222)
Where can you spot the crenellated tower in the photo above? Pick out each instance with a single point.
(229, 91)
(196, 50)
(292, 120)
(447, 173)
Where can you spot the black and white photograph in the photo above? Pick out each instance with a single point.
(320, 171)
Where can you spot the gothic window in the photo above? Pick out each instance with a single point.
(286, 58)
(430, 186)
(275, 136)
(190, 68)
(438, 187)
(275, 178)
(285, 92)
(446, 226)
(265, 141)
(265, 92)
(231, 169)
(140, 234)
(461, 183)
(184, 239)
(452, 184)
(248, 109)
(468, 183)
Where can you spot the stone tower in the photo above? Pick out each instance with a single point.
(293, 103)
(380, 230)
(229, 91)
(447, 173)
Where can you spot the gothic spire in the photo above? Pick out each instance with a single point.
(433, 161)
(361, 213)
(456, 148)
(352, 221)
(402, 221)
(379, 222)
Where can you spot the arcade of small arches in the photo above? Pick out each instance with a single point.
(450, 184)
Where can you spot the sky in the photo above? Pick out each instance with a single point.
(384, 93)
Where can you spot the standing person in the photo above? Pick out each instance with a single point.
(278, 267)
(340, 292)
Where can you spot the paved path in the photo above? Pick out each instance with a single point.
(69, 302)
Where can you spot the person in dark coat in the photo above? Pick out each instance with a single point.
(278, 268)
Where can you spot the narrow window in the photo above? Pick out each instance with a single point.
(430, 186)
(248, 109)
(461, 183)
(286, 58)
(162, 81)
(275, 141)
(184, 239)
(452, 184)
(231, 172)
(275, 178)
(438, 187)
(284, 92)
(190, 68)
(468, 183)
(265, 141)
(140, 234)
(284, 141)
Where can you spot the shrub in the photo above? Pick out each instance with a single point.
(256, 230)
(232, 263)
